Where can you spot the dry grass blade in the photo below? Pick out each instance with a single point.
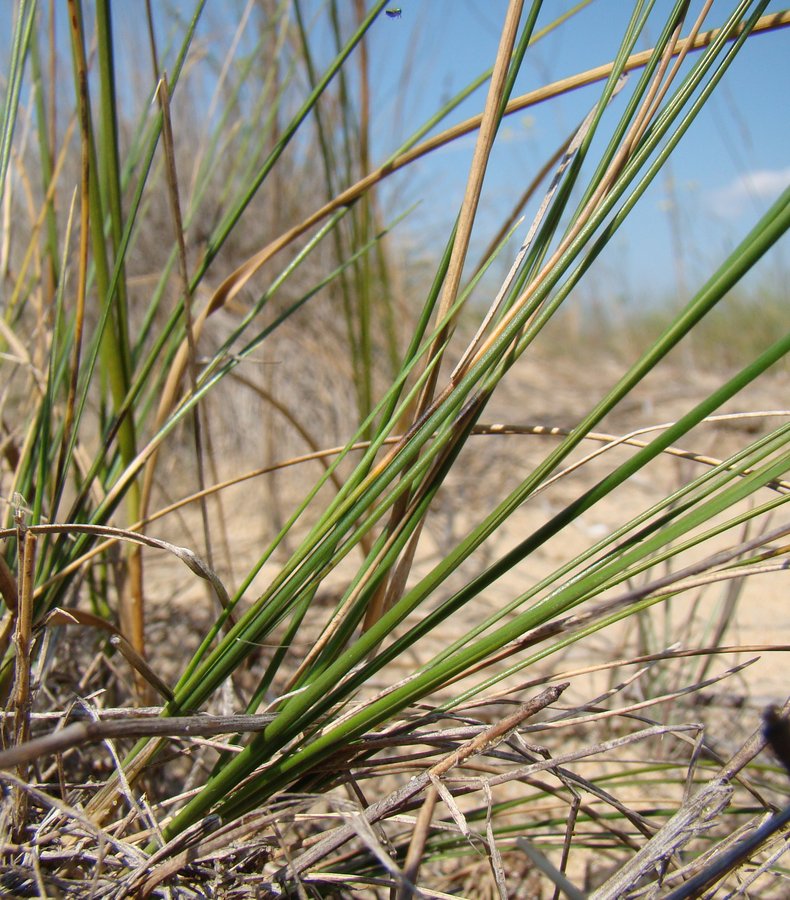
(489, 124)
(163, 95)
(637, 660)
(399, 798)
(60, 616)
(572, 719)
(141, 668)
(361, 827)
(695, 817)
(130, 727)
(493, 851)
(604, 747)
(570, 828)
(411, 866)
(452, 807)
(776, 852)
(190, 559)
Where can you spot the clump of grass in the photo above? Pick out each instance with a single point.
(380, 696)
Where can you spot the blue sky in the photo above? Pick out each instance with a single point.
(726, 171)
(730, 166)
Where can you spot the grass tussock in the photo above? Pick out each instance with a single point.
(327, 567)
